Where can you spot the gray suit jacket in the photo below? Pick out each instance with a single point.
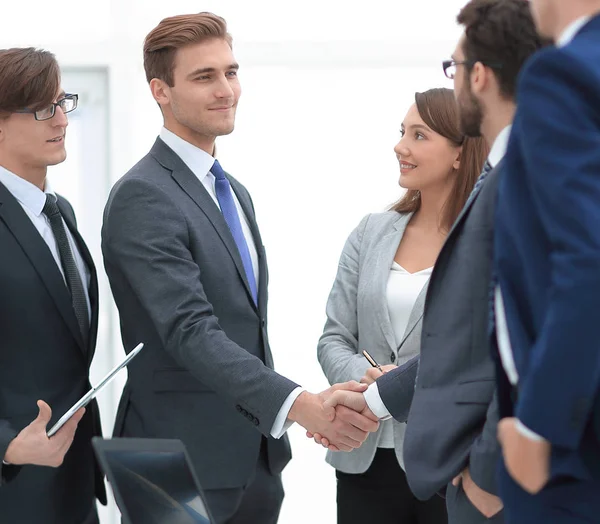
(358, 318)
(453, 416)
(205, 375)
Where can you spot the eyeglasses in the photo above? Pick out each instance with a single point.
(67, 104)
(450, 66)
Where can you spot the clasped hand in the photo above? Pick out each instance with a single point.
(339, 415)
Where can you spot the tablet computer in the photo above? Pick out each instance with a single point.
(84, 401)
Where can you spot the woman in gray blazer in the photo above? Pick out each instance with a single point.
(377, 299)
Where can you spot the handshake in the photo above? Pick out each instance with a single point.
(339, 417)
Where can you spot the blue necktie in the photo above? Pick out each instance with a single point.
(225, 198)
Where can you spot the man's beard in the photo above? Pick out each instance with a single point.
(471, 114)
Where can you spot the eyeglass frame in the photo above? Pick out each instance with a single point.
(469, 63)
(53, 105)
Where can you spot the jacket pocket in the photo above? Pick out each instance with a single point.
(475, 391)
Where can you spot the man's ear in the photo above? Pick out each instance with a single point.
(160, 91)
(479, 78)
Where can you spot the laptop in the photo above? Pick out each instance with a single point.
(152, 480)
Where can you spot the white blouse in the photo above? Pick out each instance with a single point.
(403, 289)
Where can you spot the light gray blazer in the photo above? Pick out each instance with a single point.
(358, 318)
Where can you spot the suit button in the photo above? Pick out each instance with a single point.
(239, 408)
(262, 322)
(393, 358)
(255, 421)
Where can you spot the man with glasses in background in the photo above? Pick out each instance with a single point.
(48, 308)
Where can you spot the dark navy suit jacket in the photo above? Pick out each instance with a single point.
(547, 251)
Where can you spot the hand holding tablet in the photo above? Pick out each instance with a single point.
(84, 401)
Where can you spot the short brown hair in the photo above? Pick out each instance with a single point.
(175, 32)
(502, 35)
(438, 109)
(30, 79)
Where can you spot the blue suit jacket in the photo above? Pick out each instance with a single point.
(547, 250)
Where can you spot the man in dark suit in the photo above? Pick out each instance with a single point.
(547, 264)
(450, 444)
(48, 308)
(188, 272)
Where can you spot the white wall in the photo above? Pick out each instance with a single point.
(325, 87)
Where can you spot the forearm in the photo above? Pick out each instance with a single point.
(397, 388)
(231, 371)
(340, 360)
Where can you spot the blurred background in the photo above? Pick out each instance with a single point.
(325, 84)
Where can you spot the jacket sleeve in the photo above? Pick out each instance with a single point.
(7, 434)
(485, 451)
(397, 388)
(337, 349)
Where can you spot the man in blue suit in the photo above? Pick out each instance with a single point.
(547, 267)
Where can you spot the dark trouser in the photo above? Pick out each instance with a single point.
(257, 503)
(381, 495)
(566, 501)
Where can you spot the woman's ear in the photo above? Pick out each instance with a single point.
(456, 164)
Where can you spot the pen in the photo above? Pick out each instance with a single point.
(372, 361)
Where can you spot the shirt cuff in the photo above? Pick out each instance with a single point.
(375, 403)
(6, 463)
(282, 424)
(526, 432)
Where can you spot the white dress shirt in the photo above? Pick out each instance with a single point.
(571, 31)
(200, 163)
(32, 200)
(402, 290)
(372, 396)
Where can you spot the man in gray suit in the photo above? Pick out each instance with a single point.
(450, 443)
(187, 268)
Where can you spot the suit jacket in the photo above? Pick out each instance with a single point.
(43, 356)
(358, 318)
(453, 416)
(205, 375)
(547, 247)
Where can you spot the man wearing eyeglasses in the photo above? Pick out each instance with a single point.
(48, 308)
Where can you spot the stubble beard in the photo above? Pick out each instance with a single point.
(471, 115)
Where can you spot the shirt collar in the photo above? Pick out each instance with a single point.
(28, 195)
(199, 161)
(571, 31)
(499, 148)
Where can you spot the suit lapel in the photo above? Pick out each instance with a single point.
(93, 287)
(190, 184)
(40, 257)
(458, 224)
(416, 313)
(381, 271)
(262, 265)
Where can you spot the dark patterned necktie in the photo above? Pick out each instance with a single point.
(230, 213)
(69, 267)
(487, 167)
